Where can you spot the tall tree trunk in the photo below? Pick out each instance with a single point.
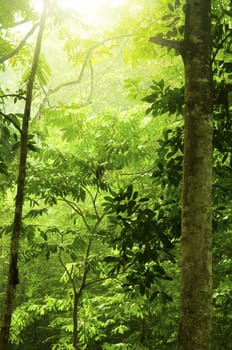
(13, 278)
(196, 230)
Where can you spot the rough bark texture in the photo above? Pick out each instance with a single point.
(13, 278)
(196, 274)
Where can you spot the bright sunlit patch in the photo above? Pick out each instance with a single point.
(89, 10)
(88, 5)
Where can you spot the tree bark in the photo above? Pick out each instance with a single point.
(13, 278)
(196, 228)
(196, 231)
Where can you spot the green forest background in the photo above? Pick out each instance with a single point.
(99, 247)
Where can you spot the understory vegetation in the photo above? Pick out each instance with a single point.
(99, 254)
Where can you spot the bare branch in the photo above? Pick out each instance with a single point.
(19, 96)
(173, 44)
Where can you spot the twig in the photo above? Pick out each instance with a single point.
(220, 46)
(93, 198)
(138, 173)
(77, 210)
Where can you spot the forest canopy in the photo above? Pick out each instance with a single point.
(99, 107)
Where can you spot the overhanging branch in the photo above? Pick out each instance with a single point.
(20, 46)
(79, 79)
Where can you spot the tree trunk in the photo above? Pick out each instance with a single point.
(13, 278)
(77, 296)
(196, 230)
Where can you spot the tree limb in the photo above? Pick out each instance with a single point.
(8, 117)
(19, 96)
(20, 46)
(80, 76)
(91, 80)
(173, 44)
(86, 61)
(13, 25)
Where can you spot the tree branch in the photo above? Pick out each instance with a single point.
(13, 25)
(19, 96)
(77, 210)
(86, 61)
(8, 117)
(173, 44)
(91, 80)
(227, 12)
(80, 76)
(145, 172)
(93, 199)
(69, 274)
(220, 46)
(86, 268)
(20, 46)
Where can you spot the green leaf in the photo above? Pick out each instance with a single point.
(154, 295)
(129, 191)
(36, 212)
(171, 7)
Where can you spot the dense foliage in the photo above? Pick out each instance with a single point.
(99, 248)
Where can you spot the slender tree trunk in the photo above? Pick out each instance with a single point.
(196, 231)
(13, 278)
(77, 296)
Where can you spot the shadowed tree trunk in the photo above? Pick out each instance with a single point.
(196, 230)
(13, 278)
